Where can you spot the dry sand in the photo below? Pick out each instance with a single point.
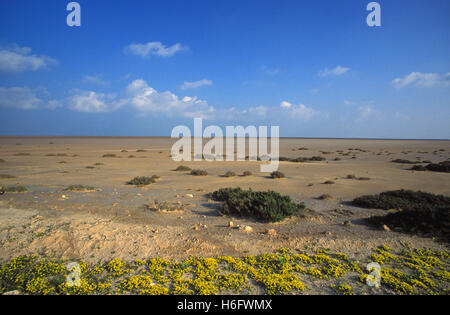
(113, 222)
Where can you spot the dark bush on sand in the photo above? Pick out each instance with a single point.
(142, 181)
(199, 173)
(182, 168)
(420, 212)
(267, 206)
(277, 174)
(439, 167)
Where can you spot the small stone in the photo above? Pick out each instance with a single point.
(248, 229)
(231, 224)
(271, 232)
(189, 196)
(386, 228)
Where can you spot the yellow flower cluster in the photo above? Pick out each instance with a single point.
(412, 271)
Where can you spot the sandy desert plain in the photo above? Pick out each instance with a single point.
(116, 221)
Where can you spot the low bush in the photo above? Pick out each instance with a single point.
(247, 173)
(79, 188)
(439, 167)
(199, 173)
(402, 161)
(182, 168)
(420, 212)
(15, 189)
(277, 174)
(229, 174)
(141, 181)
(109, 155)
(267, 206)
(308, 159)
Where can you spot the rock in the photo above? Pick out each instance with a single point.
(386, 228)
(248, 229)
(189, 196)
(271, 232)
(231, 224)
(15, 292)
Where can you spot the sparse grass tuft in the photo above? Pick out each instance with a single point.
(109, 155)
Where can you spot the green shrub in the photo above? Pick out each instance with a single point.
(308, 159)
(439, 167)
(402, 161)
(277, 174)
(182, 168)
(141, 181)
(15, 189)
(247, 173)
(267, 206)
(401, 199)
(199, 173)
(421, 212)
(229, 174)
(79, 188)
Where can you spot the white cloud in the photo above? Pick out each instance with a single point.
(196, 84)
(285, 105)
(92, 102)
(146, 99)
(364, 112)
(339, 70)
(298, 112)
(95, 80)
(19, 59)
(154, 48)
(422, 79)
(18, 97)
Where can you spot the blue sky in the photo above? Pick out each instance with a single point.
(141, 67)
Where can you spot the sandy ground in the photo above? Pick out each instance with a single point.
(113, 221)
